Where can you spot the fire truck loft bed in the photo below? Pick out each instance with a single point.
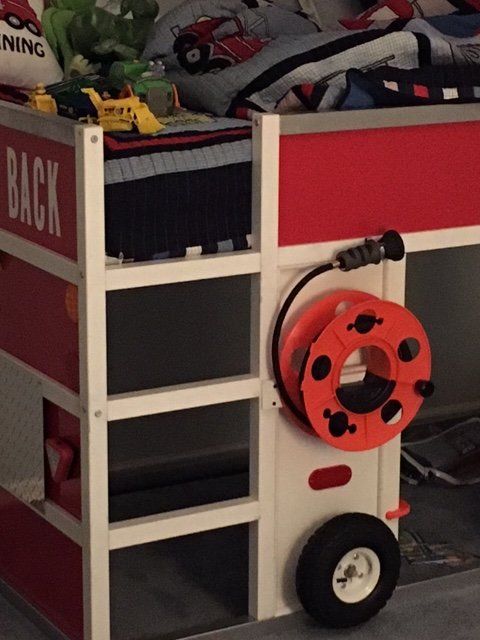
(321, 183)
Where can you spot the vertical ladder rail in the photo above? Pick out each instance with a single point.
(394, 285)
(266, 142)
(93, 382)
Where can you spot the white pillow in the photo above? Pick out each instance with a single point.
(327, 13)
(37, 6)
(25, 56)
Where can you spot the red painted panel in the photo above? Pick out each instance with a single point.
(34, 322)
(62, 425)
(351, 184)
(41, 565)
(38, 191)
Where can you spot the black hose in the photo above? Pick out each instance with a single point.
(277, 332)
(389, 247)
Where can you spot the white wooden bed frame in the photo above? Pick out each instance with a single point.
(281, 509)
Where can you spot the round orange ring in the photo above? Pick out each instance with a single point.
(299, 338)
(386, 327)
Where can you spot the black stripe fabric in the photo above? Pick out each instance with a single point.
(464, 8)
(424, 50)
(170, 212)
(282, 68)
(434, 79)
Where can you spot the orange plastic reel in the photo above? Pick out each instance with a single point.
(300, 337)
(367, 414)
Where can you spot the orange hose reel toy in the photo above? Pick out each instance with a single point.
(394, 350)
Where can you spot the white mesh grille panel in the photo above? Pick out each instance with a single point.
(21, 433)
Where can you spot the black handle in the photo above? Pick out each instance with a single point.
(389, 247)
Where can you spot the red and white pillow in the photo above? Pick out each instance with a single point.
(25, 55)
(388, 10)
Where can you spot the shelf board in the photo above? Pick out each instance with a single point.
(149, 274)
(183, 396)
(175, 524)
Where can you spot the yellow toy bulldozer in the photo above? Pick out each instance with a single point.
(124, 113)
(40, 100)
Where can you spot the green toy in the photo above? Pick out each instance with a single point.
(86, 38)
(148, 83)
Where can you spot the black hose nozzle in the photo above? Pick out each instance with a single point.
(393, 246)
(389, 247)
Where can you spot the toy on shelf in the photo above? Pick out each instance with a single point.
(124, 113)
(148, 82)
(70, 99)
(40, 100)
(86, 37)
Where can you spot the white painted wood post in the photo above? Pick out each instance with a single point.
(394, 284)
(266, 132)
(93, 382)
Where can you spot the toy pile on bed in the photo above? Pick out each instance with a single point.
(91, 63)
(235, 57)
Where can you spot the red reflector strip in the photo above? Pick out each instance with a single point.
(330, 477)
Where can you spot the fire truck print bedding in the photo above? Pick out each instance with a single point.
(276, 59)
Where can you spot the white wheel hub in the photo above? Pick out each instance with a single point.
(356, 575)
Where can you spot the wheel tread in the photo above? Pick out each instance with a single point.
(329, 537)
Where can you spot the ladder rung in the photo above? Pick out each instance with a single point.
(183, 396)
(148, 274)
(184, 522)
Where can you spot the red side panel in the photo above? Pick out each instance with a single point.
(41, 565)
(34, 323)
(38, 191)
(352, 184)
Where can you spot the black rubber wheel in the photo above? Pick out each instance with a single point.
(33, 28)
(14, 21)
(320, 565)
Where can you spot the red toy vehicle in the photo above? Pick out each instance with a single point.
(213, 44)
(18, 14)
